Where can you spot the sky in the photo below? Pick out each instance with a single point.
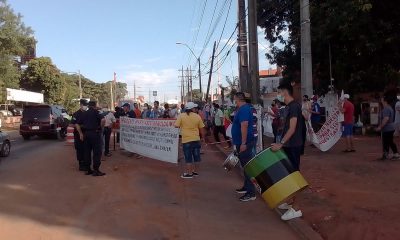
(135, 39)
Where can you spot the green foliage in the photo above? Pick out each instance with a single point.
(364, 36)
(195, 95)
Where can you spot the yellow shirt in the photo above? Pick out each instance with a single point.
(190, 125)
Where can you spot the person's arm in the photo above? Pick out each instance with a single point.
(315, 110)
(178, 122)
(79, 129)
(383, 123)
(288, 135)
(244, 125)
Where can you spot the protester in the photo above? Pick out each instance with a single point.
(255, 119)
(173, 113)
(79, 145)
(117, 114)
(146, 111)
(315, 114)
(157, 111)
(89, 129)
(292, 140)
(166, 111)
(347, 108)
(244, 142)
(127, 112)
(386, 127)
(397, 116)
(137, 111)
(219, 126)
(306, 107)
(274, 113)
(192, 127)
(109, 121)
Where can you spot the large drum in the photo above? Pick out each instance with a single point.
(274, 176)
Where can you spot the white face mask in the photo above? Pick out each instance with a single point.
(234, 102)
(84, 108)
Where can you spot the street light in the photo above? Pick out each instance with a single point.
(198, 60)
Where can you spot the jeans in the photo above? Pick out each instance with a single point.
(191, 150)
(244, 158)
(107, 134)
(387, 141)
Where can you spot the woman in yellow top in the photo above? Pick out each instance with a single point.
(191, 127)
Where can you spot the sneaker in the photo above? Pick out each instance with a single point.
(108, 154)
(284, 206)
(186, 175)
(195, 174)
(97, 173)
(290, 214)
(247, 197)
(395, 156)
(241, 190)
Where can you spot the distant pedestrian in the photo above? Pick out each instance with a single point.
(219, 126)
(79, 145)
(157, 112)
(274, 113)
(386, 127)
(347, 108)
(173, 113)
(89, 128)
(315, 114)
(192, 127)
(146, 111)
(127, 111)
(137, 111)
(109, 121)
(166, 111)
(244, 142)
(397, 116)
(292, 141)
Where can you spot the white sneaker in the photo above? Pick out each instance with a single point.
(395, 156)
(290, 214)
(284, 206)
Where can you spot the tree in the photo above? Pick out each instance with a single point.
(15, 38)
(195, 95)
(42, 75)
(363, 35)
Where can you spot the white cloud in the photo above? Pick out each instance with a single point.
(152, 60)
(152, 78)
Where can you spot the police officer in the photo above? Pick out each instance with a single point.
(89, 128)
(79, 147)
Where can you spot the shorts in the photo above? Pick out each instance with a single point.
(191, 150)
(347, 130)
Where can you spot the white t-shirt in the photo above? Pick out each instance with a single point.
(217, 118)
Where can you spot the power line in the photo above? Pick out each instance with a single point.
(199, 27)
(226, 19)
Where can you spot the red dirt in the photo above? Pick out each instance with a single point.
(351, 196)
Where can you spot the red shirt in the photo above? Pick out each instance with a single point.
(348, 112)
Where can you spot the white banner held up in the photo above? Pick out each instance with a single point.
(329, 134)
(157, 139)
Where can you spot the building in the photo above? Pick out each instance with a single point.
(269, 82)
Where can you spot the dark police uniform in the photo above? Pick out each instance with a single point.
(90, 123)
(79, 146)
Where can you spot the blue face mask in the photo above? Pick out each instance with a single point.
(280, 98)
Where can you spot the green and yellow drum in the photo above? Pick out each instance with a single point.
(274, 177)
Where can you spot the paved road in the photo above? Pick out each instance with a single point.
(43, 197)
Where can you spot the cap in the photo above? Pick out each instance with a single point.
(92, 104)
(191, 105)
(247, 95)
(126, 105)
(346, 96)
(83, 102)
(314, 97)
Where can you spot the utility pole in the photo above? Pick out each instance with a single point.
(182, 87)
(242, 47)
(306, 60)
(191, 83)
(201, 91)
(80, 84)
(134, 90)
(253, 86)
(211, 70)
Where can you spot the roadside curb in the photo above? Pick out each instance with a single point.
(299, 225)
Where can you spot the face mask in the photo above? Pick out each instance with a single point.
(280, 98)
(84, 108)
(234, 102)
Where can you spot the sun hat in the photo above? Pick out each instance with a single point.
(191, 105)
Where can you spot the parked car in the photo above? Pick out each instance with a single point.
(5, 146)
(12, 108)
(43, 120)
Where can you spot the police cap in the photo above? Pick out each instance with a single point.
(83, 102)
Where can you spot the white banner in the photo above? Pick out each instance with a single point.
(329, 134)
(157, 139)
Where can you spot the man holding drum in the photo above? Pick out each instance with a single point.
(244, 142)
(292, 138)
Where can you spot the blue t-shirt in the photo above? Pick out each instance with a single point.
(243, 114)
(316, 118)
